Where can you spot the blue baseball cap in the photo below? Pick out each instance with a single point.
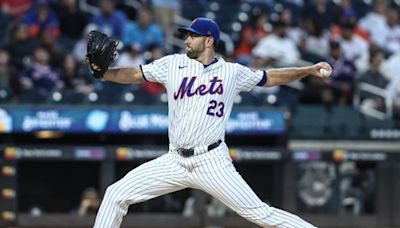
(203, 27)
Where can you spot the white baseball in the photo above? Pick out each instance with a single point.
(324, 72)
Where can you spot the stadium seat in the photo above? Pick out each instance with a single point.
(309, 121)
(66, 96)
(371, 123)
(345, 122)
(34, 96)
(250, 99)
(5, 95)
(107, 93)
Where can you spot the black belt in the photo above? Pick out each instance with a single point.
(190, 152)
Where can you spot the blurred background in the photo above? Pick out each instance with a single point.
(327, 150)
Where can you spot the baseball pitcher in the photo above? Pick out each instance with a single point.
(201, 88)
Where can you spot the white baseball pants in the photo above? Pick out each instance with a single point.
(210, 171)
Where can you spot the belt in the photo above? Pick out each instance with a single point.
(190, 152)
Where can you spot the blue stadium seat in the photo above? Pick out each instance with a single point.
(371, 123)
(66, 96)
(33, 96)
(107, 93)
(250, 99)
(309, 121)
(5, 95)
(345, 122)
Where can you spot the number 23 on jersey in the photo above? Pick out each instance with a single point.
(215, 108)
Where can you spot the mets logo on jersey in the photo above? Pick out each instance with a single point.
(186, 88)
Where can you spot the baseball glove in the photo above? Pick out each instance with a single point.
(101, 52)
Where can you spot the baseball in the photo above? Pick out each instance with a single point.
(325, 73)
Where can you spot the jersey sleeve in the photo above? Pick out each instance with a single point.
(248, 78)
(157, 71)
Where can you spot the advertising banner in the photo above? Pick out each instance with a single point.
(122, 120)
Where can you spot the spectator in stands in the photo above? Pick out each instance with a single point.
(81, 44)
(390, 69)
(19, 45)
(109, 20)
(391, 66)
(56, 51)
(374, 23)
(293, 32)
(392, 37)
(75, 79)
(314, 43)
(393, 97)
(348, 15)
(156, 52)
(374, 77)
(5, 21)
(276, 48)
(346, 8)
(131, 57)
(41, 17)
(253, 31)
(317, 91)
(143, 31)
(321, 11)
(153, 90)
(90, 202)
(40, 76)
(8, 77)
(343, 74)
(72, 22)
(354, 48)
(164, 12)
(15, 8)
(339, 89)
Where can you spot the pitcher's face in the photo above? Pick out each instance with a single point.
(195, 45)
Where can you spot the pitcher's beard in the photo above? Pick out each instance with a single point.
(192, 54)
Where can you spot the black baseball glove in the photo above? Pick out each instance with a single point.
(101, 52)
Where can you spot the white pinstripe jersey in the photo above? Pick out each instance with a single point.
(200, 98)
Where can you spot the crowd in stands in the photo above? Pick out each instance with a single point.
(43, 47)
